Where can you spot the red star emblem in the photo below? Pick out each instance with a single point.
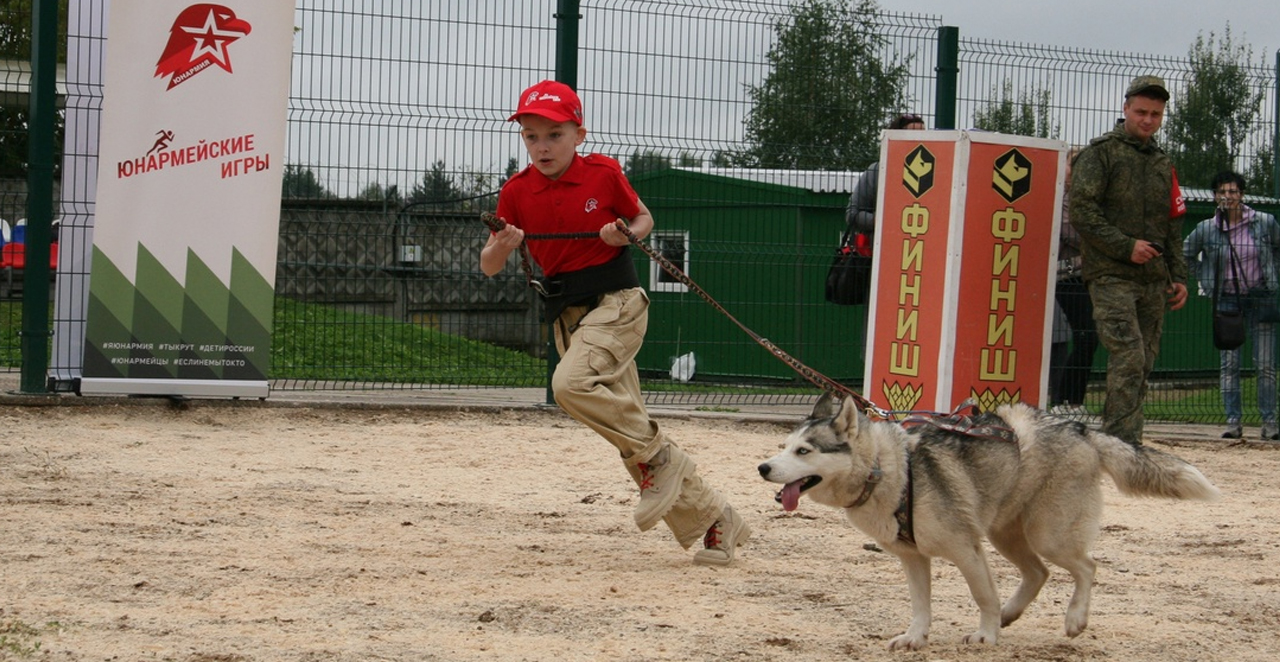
(198, 40)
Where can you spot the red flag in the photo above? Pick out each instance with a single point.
(1177, 203)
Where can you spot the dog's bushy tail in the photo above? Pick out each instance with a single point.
(1145, 471)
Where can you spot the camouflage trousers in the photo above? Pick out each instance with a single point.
(1130, 319)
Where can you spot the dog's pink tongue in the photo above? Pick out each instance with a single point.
(791, 496)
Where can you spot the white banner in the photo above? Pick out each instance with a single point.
(190, 163)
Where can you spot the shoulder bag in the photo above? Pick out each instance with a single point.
(1228, 325)
(849, 278)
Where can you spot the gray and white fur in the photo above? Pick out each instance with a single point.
(1036, 498)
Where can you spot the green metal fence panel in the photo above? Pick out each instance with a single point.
(397, 139)
(14, 83)
(670, 77)
(1082, 92)
(370, 296)
(761, 250)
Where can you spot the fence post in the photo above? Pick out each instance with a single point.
(35, 293)
(567, 19)
(948, 70)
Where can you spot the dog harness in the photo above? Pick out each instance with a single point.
(906, 528)
(965, 424)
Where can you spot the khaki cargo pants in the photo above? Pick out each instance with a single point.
(1130, 318)
(597, 383)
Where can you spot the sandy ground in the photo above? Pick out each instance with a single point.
(239, 532)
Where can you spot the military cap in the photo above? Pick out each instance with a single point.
(1152, 86)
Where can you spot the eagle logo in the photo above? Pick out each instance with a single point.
(198, 40)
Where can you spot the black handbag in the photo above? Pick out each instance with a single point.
(1228, 329)
(849, 278)
(1228, 325)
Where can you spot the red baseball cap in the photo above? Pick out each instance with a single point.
(551, 99)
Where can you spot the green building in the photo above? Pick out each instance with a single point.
(761, 249)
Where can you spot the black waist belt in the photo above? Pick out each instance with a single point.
(575, 288)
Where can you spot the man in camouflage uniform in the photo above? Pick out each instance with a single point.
(1124, 203)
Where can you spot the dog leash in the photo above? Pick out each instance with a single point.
(813, 376)
(956, 421)
(496, 224)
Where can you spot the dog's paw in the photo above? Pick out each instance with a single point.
(1076, 623)
(908, 642)
(1009, 615)
(980, 637)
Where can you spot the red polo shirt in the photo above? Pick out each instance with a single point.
(591, 192)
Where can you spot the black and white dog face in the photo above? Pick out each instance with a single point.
(817, 450)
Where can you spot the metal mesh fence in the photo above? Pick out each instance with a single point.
(1084, 89)
(397, 138)
(671, 77)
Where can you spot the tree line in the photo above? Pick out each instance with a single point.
(438, 186)
(15, 45)
(830, 90)
(1207, 124)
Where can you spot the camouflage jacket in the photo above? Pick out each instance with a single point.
(1121, 191)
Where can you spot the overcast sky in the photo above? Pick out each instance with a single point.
(1157, 28)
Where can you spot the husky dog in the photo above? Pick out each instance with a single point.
(1027, 481)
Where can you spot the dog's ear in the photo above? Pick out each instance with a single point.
(828, 406)
(846, 417)
(842, 410)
